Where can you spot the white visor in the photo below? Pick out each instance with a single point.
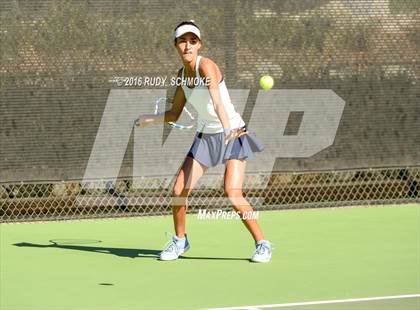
(187, 28)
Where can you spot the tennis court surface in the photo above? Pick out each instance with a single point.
(319, 255)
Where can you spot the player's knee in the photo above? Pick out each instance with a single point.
(233, 192)
(180, 191)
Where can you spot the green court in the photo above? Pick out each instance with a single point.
(319, 255)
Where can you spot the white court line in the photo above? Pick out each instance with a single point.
(321, 302)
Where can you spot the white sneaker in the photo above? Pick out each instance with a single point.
(263, 252)
(175, 248)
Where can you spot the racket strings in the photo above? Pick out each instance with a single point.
(186, 122)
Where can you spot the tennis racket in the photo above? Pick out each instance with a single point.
(185, 120)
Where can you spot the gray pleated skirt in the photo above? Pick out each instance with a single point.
(210, 149)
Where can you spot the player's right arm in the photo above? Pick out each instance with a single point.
(172, 115)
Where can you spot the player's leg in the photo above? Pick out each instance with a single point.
(190, 172)
(234, 178)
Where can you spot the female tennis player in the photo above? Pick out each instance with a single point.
(221, 137)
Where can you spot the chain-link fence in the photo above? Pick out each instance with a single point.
(58, 56)
(74, 200)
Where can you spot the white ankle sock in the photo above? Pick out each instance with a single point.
(180, 241)
(263, 241)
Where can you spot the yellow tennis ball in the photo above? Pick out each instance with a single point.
(266, 82)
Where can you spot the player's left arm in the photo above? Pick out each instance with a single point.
(209, 70)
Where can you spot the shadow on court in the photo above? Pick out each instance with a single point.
(122, 252)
